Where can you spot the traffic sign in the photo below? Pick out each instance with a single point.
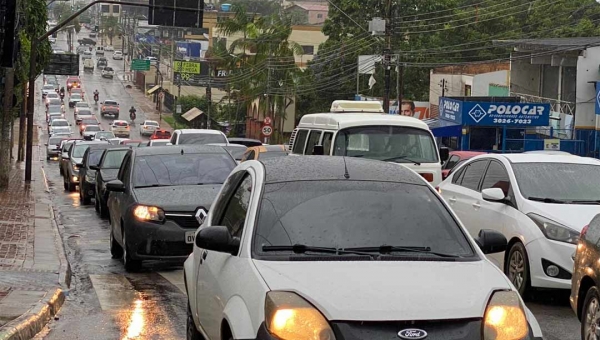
(140, 65)
(268, 121)
(267, 130)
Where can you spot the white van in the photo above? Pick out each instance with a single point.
(88, 64)
(391, 138)
(99, 50)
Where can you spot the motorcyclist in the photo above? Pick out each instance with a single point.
(62, 93)
(132, 113)
(96, 95)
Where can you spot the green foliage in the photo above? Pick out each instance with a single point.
(62, 11)
(261, 7)
(110, 27)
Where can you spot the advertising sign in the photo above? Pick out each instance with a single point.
(552, 144)
(63, 64)
(192, 67)
(503, 114)
(451, 110)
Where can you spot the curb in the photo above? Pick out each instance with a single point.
(64, 274)
(33, 321)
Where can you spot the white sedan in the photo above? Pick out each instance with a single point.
(120, 128)
(539, 202)
(287, 252)
(118, 55)
(148, 127)
(108, 72)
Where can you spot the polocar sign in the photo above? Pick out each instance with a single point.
(451, 110)
(505, 114)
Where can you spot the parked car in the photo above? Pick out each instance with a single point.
(198, 137)
(107, 170)
(457, 158)
(120, 128)
(158, 142)
(87, 176)
(118, 55)
(285, 248)
(74, 99)
(161, 134)
(155, 226)
(110, 108)
(108, 72)
(53, 147)
(75, 157)
(264, 152)
(249, 142)
(89, 131)
(148, 127)
(540, 203)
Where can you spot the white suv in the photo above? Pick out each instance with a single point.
(323, 247)
(198, 137)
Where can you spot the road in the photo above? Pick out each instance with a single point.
(105, 302)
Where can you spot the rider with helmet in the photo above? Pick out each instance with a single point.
(132, 112)
(96, 95)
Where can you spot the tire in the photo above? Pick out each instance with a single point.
(590, 314)
(65, 185)
(71, 187)
(85, 199)
(130, 264)
(116, 251)
(190, 327)
(516, 268)
(97, 204)
(103, 209)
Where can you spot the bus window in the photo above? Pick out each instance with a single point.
(299, 142)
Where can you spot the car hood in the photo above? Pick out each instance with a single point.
(77, 160)
(109, 174)
(388, 290)
(178, 198)
(574, 216)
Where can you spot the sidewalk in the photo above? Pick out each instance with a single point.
(33, 267)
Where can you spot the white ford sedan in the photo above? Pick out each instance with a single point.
(344, 248)
(539, 202)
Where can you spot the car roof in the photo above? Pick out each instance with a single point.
(543, 158)
(336, 121)
(312, 168)
(464, 154)
(89, 142)
(206, 131)
(178, 149)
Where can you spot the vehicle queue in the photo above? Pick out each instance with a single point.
(320, 226)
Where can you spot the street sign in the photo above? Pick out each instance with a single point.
(140, 65)
(267, 130)
(268, 121)
(63, 64)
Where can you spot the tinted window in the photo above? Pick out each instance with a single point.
(94, 157)
(472, 174)
(349, 213)
(496, 177)
(55, 102)
(84, 112)
(451, 162)
(79, 150)
(201, 138)
(561, 181)
(313, 139)
(60, 123)
(89, 121)
(177, 169)
(271, 154)
(299, 141)
(113, 159)
(327, 137)
(110, 102)
(234, 215)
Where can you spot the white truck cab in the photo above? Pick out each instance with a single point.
(362, 129)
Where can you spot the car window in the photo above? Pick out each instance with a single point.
(79, 151)
(451, 162)
(110, 102)
(94, 157)
(592, 235)
(327, 137)
(300, 141)
(234, 215)
(496, 177)
(151, 123)
(345, 214)
(122, 170)
(60, 123)
(120, 124)
(313, 139)
(54, 140)
(472, 174)
(201, 138)
(178, 169)
(113, 159)
(84, 113)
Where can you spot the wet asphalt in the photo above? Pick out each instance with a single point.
(105, 302)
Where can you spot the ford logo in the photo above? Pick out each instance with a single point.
(412, 333)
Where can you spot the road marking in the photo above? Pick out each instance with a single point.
(176, 278)
(113, 291)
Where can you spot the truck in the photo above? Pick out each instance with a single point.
(110, 108)
(88, 64)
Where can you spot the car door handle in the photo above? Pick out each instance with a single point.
(476, 205)
(452, 200)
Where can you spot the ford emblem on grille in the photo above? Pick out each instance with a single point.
(412, 334)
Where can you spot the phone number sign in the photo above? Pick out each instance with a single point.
(505, 114)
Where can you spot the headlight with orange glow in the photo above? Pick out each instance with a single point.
(148, 213)
(505, 318)
(290, 317)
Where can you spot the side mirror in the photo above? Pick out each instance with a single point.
(115, 185)
(318, 150)
(493, 194)
(95, 167)
(491, 241)
(444, 154)
(217, 238)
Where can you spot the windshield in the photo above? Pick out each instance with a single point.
(54, 109)
(82, 104)
(110, 102)
(345, 214)
(558, 181)
(94, 157)
(79, 151)
(54, 140)
(178, 169)
(55, 101)
(52, 95)
(60, 123)
(148, 122)
(92, 128)
(390, 143)
(113, 159)
(201, 138)
(105, 134)
(75, 96)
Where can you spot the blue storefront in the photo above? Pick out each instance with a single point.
(497, 124)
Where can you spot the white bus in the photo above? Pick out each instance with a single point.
(373, 135)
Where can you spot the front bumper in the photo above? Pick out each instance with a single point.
(155, 241)
(558, 253)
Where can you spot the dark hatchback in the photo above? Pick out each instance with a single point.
(107, 170)
(87, 176)
(160, 198)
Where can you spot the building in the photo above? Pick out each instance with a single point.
(308, 13)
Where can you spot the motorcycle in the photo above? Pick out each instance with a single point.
(132, 116)
(62, 96)
(96, 98)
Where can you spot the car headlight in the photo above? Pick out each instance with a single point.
(505, 318)
(554, 230)
(75, 167)
(288, 316)
(149, 213)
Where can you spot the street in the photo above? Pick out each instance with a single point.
(105, 302)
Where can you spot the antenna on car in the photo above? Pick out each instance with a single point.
(346, 174)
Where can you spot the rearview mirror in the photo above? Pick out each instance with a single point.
(444, 154)
(217, 238)
(115, 185)
(493, 194)
(318, 150)
(491, 241)
(95, 167)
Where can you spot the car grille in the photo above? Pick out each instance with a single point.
(183, 220)
(462, 329)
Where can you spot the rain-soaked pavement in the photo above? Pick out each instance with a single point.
(105, 302)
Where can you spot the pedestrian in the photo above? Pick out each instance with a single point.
(407, 108)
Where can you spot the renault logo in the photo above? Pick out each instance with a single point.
(200, 215)
(412, 334)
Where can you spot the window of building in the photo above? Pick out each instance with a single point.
(105, 8)
(319, 16)
(308, 49)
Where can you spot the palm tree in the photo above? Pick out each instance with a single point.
(109, 26)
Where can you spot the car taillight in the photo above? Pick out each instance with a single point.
(428, 177)
(103, 107)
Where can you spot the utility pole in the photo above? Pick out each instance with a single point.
(387, 56)
(208, 97)
(399, 82)
(22, 126)
(443, 84)
(9, 77)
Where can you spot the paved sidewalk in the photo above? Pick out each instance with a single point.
(33, 267)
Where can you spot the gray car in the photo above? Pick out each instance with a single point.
(89, 131)
(53, 147)
(75, 157)
(107, 170)
(160, 198)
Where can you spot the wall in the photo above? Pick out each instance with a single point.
(482, 82)
(525, 78)
(455, 86)
(587, 70)
(313, 17)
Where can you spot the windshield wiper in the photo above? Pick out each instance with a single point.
(397, 158)
(387, 249)
(302, 249)
(586, 201)
(547, 200)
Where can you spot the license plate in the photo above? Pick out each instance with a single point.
(189, 236)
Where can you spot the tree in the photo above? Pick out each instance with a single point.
(109, 26)
(63, 11)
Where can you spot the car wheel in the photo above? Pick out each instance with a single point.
(517, 268)
(103, 209)
(97, 204)
(590, 320)
(116, 251)
(71, 187)
(65, 185)
(191, 331)
(85, 199)
(130, 264)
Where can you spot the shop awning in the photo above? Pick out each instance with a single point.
(442, 128)
(191, 114)
(154, 89)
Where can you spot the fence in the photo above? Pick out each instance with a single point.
(520, 140)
